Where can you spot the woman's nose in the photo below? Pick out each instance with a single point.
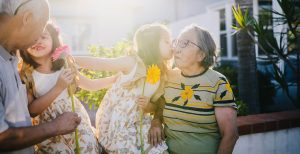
(172, 50)
(176, 50)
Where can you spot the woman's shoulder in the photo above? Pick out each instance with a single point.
(173, 73)
(215, 76)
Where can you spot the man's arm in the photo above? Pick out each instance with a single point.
(18, 138)
(226, 118)
(156, 133)
(160, 108)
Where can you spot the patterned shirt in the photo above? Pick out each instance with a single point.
(189, 116)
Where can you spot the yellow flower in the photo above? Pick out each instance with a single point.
(153, 74)
(187, 93)
(228, 87)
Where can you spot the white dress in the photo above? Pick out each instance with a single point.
(117, 119)
(63, 143)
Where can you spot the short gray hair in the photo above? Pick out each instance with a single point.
(9, 7)
(206, 44)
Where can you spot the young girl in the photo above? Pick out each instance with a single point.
(46, 82)
(117, 119)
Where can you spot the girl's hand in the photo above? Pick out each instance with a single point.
(65, 78)
(144, 103)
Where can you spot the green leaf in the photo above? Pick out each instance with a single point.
(196, 86)
(182, 86)
(223, 94)
(223, 79)
(185, 102)
(197, 97)
(175, 99)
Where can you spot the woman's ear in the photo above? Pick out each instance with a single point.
(201, 56)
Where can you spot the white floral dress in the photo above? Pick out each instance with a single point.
(64, 144)
(117, 119)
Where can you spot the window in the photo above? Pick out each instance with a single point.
(223, 33)
(227, 39)
(233, 40)
(265, 17)
(80, 37)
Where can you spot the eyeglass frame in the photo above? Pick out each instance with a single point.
(186, 44)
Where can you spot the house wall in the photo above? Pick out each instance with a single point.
(93, 21)
(208, 21)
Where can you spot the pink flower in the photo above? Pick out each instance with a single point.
(61, 52)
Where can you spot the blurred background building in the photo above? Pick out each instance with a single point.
(86, 22)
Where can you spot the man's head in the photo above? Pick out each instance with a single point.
(22, 22)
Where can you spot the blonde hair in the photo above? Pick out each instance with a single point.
(146, 43)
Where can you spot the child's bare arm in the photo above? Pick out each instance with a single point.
(123, 64)
(96, 84)
(145, 104)
(37, 105)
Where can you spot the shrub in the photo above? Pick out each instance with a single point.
(93, 99)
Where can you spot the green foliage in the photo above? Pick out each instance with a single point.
(93, 99)
(243, 20)
(273, 49)
(242, 108)
(231, 74)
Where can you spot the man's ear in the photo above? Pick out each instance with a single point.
(27, 18)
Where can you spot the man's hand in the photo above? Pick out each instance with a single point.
(22, 137)
(66, 123)
(156, 133)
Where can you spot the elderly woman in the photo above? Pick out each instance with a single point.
(200, 111)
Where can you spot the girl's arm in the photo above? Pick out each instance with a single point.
(124, 64)
(145, 104)
(96, 84)
(37, 105)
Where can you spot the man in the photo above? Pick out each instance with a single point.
(21, 24)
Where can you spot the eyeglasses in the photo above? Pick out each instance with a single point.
(22, 4)
(183, 43)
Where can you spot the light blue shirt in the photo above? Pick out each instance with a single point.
(13, 98)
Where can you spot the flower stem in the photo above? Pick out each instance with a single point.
(77, 149)
(71, 95)
(141, 123)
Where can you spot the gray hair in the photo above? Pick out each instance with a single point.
(206, 44)
(9, 7)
